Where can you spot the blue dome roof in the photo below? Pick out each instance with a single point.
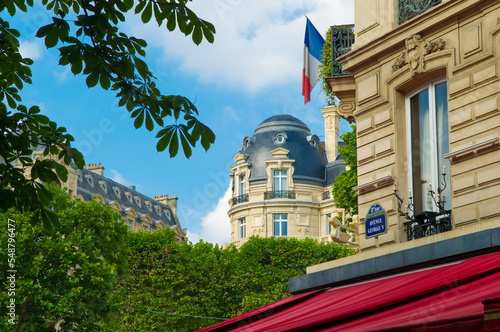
(282, 121)
(290, 133)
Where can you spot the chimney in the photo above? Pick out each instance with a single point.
(170, 201)
(96, 168)
(332, 123)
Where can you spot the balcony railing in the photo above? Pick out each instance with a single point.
(428, 223)
(240, 199)
(280, 194)
(408, 9)
(342, 40)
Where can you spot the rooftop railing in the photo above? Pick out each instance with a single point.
(408, 9)
(342, 39)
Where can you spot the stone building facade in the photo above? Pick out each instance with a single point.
(422, 84)
(282, 180)
(138, 211)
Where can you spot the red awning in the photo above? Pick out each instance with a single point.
(437, 297)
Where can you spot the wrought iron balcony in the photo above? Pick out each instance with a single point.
(428, 223)
(326, 195)
(408, 9)
(240, 199)
(280, 194)
(342, 39)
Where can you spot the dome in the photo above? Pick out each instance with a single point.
(290, 133)
(282, 121)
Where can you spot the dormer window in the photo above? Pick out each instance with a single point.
(313, 140)
(279, 138)
(247, 141)
(117, 192)
(90, 180)
(103, 186)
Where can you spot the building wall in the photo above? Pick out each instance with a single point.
(138, 212)
(458, 41)
(306, 212)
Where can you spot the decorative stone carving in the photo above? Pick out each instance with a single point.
(416, 49)
(346, 110)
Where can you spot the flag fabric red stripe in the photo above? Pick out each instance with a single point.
(313, 49)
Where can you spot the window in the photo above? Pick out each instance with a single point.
(242, 228)
(280, 224)
(241, 185)
(279, 138)
(427, 118)
(328, 226)
(280, 181)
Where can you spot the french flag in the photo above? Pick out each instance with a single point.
(313, 48)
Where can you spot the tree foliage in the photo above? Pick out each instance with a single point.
(185, 287)
(343, 194)
(65, 275)
(91, 43)
(325, 68)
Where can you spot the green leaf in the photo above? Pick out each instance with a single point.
(52, 37)
(149, 122)
(104, 80)
(147, 13)
(76, 67)
(139, 120)
(140, 6)
(186, 146)
(197, 35)
(92, 79)
(174, 145)
(128, 4)
(171, 21)
(43, 31)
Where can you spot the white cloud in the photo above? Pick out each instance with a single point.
(117, 177)
(258, 45)
(61, 74)
(215, 226)
(32, 49)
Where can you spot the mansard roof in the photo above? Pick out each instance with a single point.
(90, 184)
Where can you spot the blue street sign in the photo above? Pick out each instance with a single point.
(376, 221)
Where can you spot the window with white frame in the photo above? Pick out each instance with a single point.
(242, 228)
(280, 182)
(328, 226)
(241, 185)
(280, 224)
(428, 142)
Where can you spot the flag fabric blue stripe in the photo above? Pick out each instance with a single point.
(314, 41)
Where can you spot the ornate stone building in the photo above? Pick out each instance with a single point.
(282, 180)
(137, 210)
(421, 81)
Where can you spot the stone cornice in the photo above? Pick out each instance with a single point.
(394, 41)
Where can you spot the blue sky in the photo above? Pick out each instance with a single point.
(251, 72)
